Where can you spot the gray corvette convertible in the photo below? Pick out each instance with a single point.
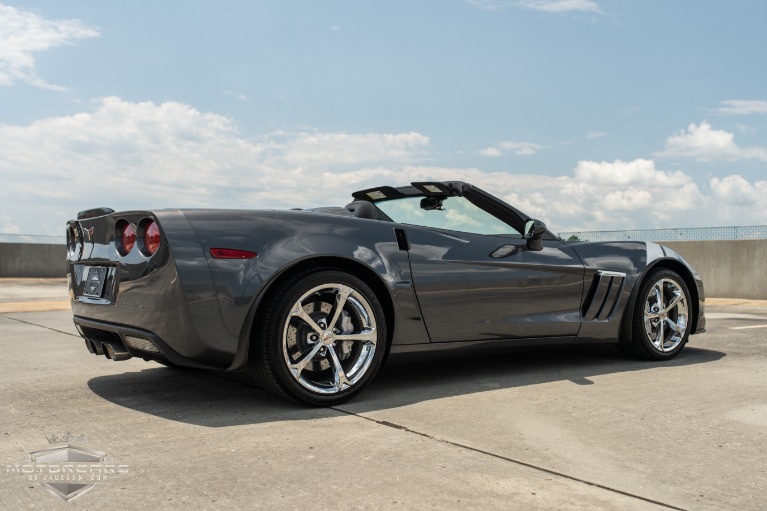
(309, 302)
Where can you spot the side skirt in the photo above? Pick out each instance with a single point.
(501, 343)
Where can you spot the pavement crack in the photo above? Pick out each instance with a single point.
(510, 460)
(41, 326)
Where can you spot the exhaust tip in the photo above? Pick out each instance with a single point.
(115, 352)
(95, 348)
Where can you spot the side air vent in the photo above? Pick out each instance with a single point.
(603, 295)
(402, 241)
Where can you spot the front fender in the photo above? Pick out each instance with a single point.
(636, 259)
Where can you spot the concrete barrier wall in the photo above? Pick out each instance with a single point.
(730, 269)
(32, 260)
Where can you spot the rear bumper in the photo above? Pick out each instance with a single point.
(150, 309)
(120, 342)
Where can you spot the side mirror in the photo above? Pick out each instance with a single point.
(534, 230)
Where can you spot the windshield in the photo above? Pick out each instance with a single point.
(454, 213)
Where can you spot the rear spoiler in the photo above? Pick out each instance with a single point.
(93, 213)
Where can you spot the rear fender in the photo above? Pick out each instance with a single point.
(288, 240)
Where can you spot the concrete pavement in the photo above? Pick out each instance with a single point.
(574, 428)
(29, 295)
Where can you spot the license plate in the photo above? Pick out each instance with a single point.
(94, 282)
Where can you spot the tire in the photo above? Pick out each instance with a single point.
(311, 350)
(661, 317)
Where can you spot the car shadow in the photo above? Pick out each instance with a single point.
(412, 378)
(214, 400)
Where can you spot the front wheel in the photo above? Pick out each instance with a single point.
(661, 323)
(321, 339)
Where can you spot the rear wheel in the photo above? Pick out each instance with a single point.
(321, 338)
(661, 323)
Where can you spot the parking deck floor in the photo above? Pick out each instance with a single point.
(572, 428)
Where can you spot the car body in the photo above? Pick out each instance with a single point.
(310, 302)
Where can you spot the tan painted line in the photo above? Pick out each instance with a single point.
(747, 327)
(35, 306)
(743, 302)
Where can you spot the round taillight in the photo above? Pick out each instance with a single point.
(126, 234)
(151, 237)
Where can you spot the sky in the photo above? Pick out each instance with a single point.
(586, 114)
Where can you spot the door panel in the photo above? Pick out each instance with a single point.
(484, 287)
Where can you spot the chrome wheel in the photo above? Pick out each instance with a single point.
(329, 338)
(666, 314)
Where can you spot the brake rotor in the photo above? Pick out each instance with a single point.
(302, 339)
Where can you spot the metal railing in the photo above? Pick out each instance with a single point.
(752, 232)
(33, 238)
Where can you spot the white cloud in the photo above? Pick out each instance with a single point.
(307, 149)
(239, 97)
(627, 173)
(552, 6)
(737, 190)
(560, 6)
(493, 152)
(128, 155)
(637, 186)
(511, 147)
(25, 33)
(739, 201)
(489, 5)
(596, 134)
(704, 143)
(746, 130)
(9, 228)
(742, 107)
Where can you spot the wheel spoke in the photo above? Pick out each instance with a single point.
(658, 292)
(674, 301)
(297, 367)
(366, 335)
(659, 295)
(673, 326)
(660, 340)
(299, 312)
(339, 376)
(343, 294)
